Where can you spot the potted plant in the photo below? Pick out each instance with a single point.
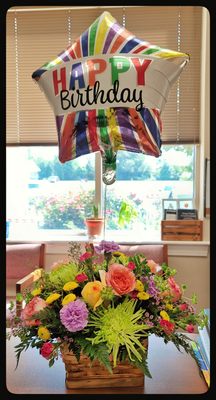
(94, 223)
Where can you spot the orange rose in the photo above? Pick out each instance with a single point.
(33, 307)
(121, 279)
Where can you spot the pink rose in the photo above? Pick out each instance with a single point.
(121, 279)
(154, 267)
(190, 328)
(33, 307)
(46, 350)
(175, 290)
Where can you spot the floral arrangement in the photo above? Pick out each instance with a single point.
(103, 304)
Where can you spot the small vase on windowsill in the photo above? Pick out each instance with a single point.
(94, 224)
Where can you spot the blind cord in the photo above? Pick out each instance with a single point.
(17, 76)
(178, 81)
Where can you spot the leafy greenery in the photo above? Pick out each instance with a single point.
(127, 213)
(129, 166)
(95, 352)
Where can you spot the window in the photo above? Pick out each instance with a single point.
(48, 199)
(45, 197)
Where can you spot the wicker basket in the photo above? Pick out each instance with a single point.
(87, 374)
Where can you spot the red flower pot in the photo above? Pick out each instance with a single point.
(94, 226)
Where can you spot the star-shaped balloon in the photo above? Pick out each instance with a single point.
(107, 91)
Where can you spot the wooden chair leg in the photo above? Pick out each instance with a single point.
(18, 308)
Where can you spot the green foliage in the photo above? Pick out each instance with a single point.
(194, 298)
(127, 213)
(95, 351)
(168, 271)
(71, 170)
(64, 211)
(142, 267)
(142, 364)
(180, 340)
(95, 210)
(19, 297)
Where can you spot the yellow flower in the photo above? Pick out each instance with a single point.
(164, 315)
(169, 306)
(36, 292)
(50, 299)
(43, 333)
(122, 257)
(139, 286)
(70, 286)
(143, 296)
(91, 293)
(67, 299)
(118, 253)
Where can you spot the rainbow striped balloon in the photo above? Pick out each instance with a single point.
(109, 129)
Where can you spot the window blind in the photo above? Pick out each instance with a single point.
(36, 35)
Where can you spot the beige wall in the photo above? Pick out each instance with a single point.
(195, 273)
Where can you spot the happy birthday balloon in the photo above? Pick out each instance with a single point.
(107, 92)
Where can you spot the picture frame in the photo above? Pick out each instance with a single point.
(170, 204)
(187, 214)
(170, 214)
(186, 204)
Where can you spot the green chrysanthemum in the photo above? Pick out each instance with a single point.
(64, 273)
(120, 326)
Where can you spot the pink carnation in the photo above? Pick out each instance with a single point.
(46, 350)
(121, 279)
(183, 306)
(131, 266)
(33, 307)
(81, 277)
(85, 256)
(190, 328)
(167, 326)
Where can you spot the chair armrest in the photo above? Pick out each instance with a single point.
(28, 280)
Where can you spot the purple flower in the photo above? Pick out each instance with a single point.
(107, 247)
(74, 315)
(152, 290)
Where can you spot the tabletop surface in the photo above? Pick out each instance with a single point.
(173, 372)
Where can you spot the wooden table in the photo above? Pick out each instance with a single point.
(172, 372)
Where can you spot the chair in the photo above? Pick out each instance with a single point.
(21, 261)
(156, 252)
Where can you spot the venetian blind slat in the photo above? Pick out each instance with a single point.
(42, 35)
